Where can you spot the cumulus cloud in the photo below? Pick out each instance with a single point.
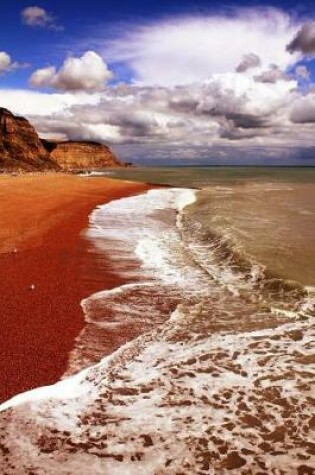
(7, 64)
(39, 17)
(191, 49)
(304, 40)
(187, 99)
(303, 111)
(86, 73)
(272, 75)
(103, 133)
(249, 61)
(224, 109)
(231, 111)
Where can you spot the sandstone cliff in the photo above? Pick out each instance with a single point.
(20, 147)
(77, 155)
(22, 150)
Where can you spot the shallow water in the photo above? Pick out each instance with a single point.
(267, 213)
(240, 253)
(272, 223)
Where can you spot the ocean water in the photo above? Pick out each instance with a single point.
(201, 177)
(219, 377)
(232, 241)
(267, 212)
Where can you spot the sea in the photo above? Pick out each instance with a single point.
(219, 298)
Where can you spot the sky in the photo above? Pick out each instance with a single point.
(166, 82)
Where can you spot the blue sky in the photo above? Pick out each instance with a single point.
(40, 46)
(144, 75)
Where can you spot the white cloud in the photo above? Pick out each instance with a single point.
(232, 94)
(38, 104)
(303, 111)
(87, 73)
(249, 61)
(191, 49)
(39, 17)
(6, 63)
(226, 108)
(103, 133)
(232, 111)
(186, 95)
(43, 77)
(272, 75)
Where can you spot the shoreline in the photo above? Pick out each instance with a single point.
(216, 384)
(48, 270)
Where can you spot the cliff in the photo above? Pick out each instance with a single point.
(20, 147)
(77, 155)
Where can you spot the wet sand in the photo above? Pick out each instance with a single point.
(41, 244)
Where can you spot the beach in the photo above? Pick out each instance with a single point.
(46, 270)
(196, 354)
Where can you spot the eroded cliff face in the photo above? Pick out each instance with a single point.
(77, 155)
(20, 147)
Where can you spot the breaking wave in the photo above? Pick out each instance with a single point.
(170, 261)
